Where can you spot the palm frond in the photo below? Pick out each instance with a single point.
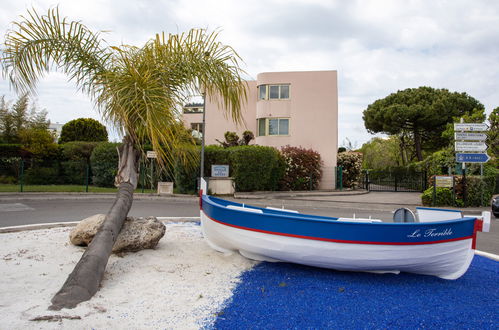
(39, 43)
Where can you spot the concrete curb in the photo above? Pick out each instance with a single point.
(487, 255)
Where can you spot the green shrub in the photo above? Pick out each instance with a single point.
(352, 167)
(75, 172)
(41, 175)
(443, 197)
(479, 190)
(301, 167)
(186, 175)
(76, 158)
(83, 129)
(78, 150)
(255, 168)
(104, 163)
(216, 155)
(10, 150)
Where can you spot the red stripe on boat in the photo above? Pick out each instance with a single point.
(342, 241)
(478, 227)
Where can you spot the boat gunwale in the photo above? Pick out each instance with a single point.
(324, 219)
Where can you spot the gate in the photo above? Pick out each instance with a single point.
(399, 181)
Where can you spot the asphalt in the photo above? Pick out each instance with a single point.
(347, 202)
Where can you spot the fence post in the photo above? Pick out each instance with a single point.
(87, 174)
(465, 190)
(142, 171)
(453, 191)
(367, 180)
(434, 191)
(21, 174)
(340, 168)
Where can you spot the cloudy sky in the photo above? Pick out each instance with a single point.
(377, 47)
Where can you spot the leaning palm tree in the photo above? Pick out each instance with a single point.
(139, 90)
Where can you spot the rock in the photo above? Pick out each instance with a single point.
(137, 233)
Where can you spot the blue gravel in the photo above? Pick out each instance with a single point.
(289, 296)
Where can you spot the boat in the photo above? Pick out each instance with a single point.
(443, 247)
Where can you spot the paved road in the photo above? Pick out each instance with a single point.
(49, 208)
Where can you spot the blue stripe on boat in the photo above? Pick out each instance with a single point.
(329, 229)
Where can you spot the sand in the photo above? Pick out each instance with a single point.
(182, 284)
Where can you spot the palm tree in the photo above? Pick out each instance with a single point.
(139, 90)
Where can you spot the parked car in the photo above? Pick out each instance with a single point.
(495, 206)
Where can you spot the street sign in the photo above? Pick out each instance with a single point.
(152, 154)
(470, 127)
(470, 136)
(472, 158)
(470, 146)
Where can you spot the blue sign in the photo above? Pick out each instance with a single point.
(472, 158)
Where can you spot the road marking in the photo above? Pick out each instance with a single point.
(13, 207)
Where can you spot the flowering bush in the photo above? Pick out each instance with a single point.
(352, 165)
(303, 168)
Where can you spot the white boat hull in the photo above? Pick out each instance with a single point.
(447, 260)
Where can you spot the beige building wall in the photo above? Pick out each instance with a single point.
(312, 110)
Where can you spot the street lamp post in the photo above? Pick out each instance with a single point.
(201, 174)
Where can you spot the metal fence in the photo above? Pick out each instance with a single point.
(375, 180)
(25, 174)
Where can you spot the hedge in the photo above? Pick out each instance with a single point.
(186, 175)
(479, 192)
(104, 162)
(255, 168)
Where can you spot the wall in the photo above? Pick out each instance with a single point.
(313, 112)
(312, 109)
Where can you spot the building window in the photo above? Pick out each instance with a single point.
(197, 127)
(193, 108)
(273, 92)
(273, 126)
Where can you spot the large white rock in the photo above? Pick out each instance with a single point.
(136, 234)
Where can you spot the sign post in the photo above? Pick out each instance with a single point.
(472, 147)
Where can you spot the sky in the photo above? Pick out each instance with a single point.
(378, 47)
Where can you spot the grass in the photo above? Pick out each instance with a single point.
(62, 188)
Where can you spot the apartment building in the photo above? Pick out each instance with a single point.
(283, 108)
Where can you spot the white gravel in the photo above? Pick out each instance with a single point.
(182, 284)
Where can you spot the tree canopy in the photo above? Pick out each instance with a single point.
(83, 129)
(493, 133)
(418, 116)
(18, 117)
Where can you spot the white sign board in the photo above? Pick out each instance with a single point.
(220, 171)
(470, 136)
(152, 154)
(470, 146)
(471, 127)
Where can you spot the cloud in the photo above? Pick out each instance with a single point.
(378, 47)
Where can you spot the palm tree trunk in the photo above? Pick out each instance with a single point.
(84, 280)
